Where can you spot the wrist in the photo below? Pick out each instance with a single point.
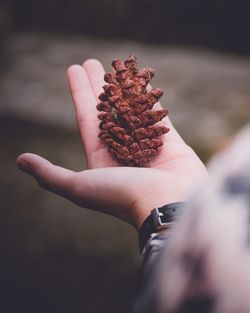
(144, 208)
(159, 220)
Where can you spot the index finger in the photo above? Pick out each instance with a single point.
(85, 106)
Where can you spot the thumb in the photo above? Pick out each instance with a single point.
(49, 176)
(100, 189)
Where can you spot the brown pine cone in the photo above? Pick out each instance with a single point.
(127, 119)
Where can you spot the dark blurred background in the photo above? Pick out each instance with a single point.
(220, 24)
(54, 256)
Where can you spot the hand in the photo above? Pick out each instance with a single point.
(124, 192)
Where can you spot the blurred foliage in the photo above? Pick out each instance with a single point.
(221, 24)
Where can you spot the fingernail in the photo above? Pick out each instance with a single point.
(24, 166)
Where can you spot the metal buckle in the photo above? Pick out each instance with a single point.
(157, 215)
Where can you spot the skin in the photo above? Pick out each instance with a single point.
(125, 192)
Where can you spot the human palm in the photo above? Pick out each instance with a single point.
(125, 192)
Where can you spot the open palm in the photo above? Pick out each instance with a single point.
(125, 192)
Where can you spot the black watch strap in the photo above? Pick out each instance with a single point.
(160, 218)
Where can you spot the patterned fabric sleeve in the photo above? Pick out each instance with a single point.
(203, 263)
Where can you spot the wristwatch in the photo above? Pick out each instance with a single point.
(160, 218)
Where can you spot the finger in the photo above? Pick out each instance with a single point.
(85, 106)
(81, 91)
(50, 177)
(94, 189)
(95, 72)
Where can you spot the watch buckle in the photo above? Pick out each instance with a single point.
(159, 224)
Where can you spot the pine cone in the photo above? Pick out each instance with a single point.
(127, 119)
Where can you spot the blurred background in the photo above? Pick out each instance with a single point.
(54, 256)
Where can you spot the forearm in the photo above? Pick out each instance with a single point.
(153, 235)
(146, 301)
